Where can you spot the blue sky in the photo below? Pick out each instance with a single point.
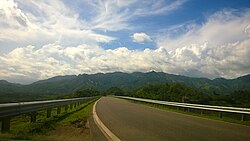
(198, 38)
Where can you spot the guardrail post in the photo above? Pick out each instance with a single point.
(66, 108)
(202, 112)
(48, 112)
(78, 104)
(220, 114)
(6, 124)
(58, 110)
(71, 106)
(33, 117)
(75, 105)
(242, 117)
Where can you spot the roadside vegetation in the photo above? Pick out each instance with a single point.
(23, 129)
(178, 92)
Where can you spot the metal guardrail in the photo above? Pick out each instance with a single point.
(242, 111)
(9, 110)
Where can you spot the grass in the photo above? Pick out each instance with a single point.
(227, 117)
(23, 129)
(80, 115)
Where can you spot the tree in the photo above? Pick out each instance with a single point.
(114, 91)
(86, 92)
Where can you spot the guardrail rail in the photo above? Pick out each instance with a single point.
(220, 109)
(9, 110)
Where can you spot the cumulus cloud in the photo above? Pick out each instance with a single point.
(140, 37)
(217, 48)
(52, 60)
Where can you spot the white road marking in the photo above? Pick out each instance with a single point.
(108, 134)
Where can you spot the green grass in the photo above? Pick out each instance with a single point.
(227, 117)
(80, 115)
(23, 129)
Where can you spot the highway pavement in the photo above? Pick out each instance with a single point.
(136, 122)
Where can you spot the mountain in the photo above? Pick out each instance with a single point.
(54, 85)
(9, 88)
(3, 82)
(61, 85)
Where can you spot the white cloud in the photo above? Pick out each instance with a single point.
(140, 37)
(158, 7)
(217, 48)
(226, 26)
(114, 15)
(44, 22)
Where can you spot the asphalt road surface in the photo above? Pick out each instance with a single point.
(135, 122)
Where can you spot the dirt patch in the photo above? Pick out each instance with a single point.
(80, 124)
(77, 131)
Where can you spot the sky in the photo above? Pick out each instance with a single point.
(196, 38)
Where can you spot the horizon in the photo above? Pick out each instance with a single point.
(202, 39)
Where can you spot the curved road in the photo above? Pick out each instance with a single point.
(135, 122)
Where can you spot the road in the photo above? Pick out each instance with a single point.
(135, 122)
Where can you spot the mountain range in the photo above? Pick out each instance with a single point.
(62, 85)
